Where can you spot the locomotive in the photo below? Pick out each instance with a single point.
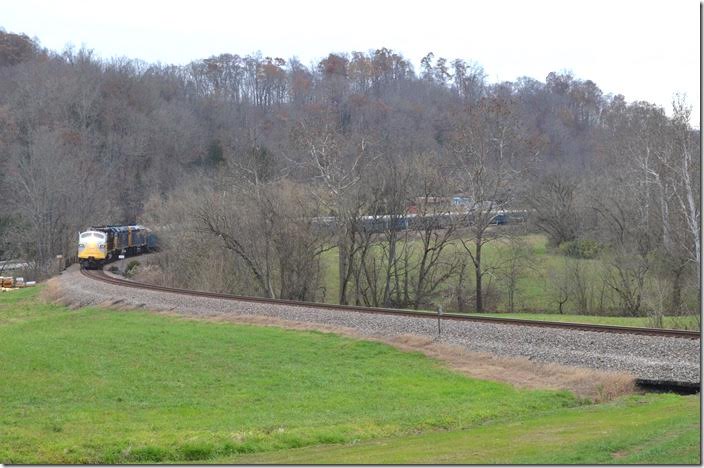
(101, 244)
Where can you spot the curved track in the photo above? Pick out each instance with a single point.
(100, 275)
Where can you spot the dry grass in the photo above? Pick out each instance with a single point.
(53, 292)
(148, 273)
(598, 386)
(522, 372)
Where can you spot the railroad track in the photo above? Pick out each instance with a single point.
(100, 275)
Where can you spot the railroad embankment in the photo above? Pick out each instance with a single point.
(588, 363)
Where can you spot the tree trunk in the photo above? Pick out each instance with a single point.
(460, 284)
(676, 298)
(478, 275)
(390, 265)
(342, 268)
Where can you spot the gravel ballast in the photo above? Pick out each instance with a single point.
(647, 357)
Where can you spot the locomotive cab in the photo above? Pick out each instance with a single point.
(92, 248)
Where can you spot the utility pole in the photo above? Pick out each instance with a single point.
(439, 314)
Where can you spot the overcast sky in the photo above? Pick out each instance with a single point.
(645, 50)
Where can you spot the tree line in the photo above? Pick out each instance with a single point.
(233, 157)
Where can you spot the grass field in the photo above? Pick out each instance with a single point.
(532, 288)
(99, 386)
(662, 429)
(534, 298)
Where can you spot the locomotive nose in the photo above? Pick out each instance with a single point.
(92, 246)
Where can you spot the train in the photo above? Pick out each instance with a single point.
(402, 222)
(99, 245)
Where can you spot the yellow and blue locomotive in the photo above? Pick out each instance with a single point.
(101, 244)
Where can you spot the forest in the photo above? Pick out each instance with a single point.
(231, 160)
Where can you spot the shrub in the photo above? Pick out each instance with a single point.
(197, 451)
(581, 248)
(147, 454)
(131, 268)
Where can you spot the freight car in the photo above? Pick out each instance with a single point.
(101, 244)
(402, 222)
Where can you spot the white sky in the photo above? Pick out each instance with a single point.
(645, 50)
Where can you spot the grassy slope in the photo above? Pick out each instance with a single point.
(100, 386)
(639, 429)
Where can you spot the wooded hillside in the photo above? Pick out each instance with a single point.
(241, 152)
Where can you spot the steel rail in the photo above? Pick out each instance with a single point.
(100, 275)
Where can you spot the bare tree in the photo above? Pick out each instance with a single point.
(684, 168)
(50, 205)
(337, 161)
(555, 210)
(436, 262)
(647, 206)
(381, 239)
(515, 262)
(487, 150)
(631, 245)
(271, 232)
(560, 286)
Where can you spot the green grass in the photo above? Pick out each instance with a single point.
(98, 386)
(662, 429)
(532, 286)
(534, 293)
(688, 322)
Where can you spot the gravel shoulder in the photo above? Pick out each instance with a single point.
(645, 357)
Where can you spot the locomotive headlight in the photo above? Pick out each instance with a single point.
(81, 246)
(102, 246)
